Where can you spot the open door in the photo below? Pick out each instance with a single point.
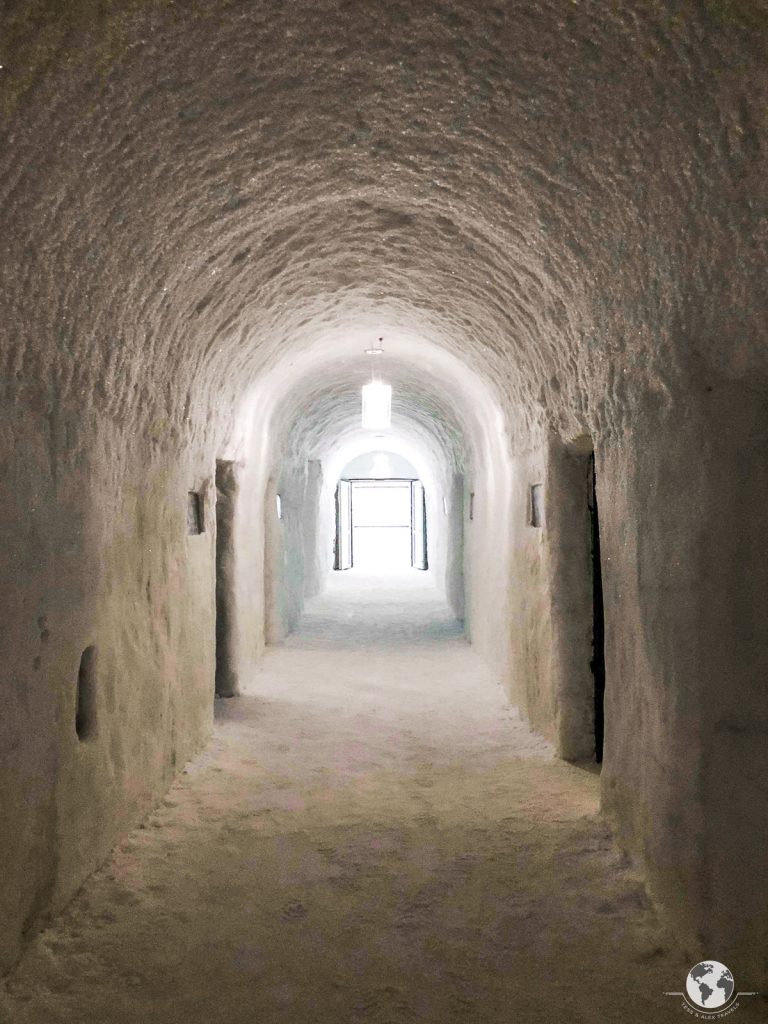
(343, 548)
(418, 526)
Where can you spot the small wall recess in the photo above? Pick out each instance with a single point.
(195, 517)
(472, 505)
(279, 506)
(445, 506)
(536, 513)
(85, 707)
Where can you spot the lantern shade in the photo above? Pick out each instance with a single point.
(377, 405)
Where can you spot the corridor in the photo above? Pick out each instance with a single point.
(373, 836)
(257, 254)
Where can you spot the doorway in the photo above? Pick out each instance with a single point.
(576, 567)
(226, 638)
(597, 662)
(381, 525)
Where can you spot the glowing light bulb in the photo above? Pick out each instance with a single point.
(377, 405)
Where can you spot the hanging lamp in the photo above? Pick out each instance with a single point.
(377, 397)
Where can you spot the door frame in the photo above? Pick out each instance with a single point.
(338, 549)
(343, 494)
(417, 487)
(227, 683)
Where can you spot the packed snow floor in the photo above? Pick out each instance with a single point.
(372, 837)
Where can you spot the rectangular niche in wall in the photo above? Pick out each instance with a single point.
(536, 517)
(195, 520)
(279, 506)
(472, 505)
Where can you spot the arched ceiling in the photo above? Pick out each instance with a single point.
(323, 412)
(554, 193)
(445, 418)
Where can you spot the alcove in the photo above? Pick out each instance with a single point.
(85, 708)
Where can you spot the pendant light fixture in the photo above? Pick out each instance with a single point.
(377, 397)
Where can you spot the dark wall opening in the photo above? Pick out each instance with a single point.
(597, 662)
(572, 535)
(195, 513)
(85, 708)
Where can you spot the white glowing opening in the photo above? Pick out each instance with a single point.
(377, 405)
